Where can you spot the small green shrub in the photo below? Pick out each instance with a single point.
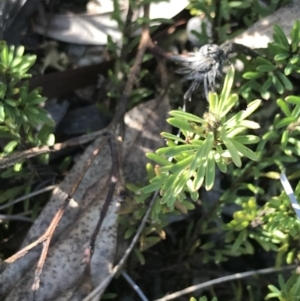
(20, 110)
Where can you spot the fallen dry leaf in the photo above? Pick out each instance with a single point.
(93, 29)
(63, 275)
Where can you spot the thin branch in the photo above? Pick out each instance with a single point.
(27, 196)
(134, 286)
(127, 32)
(47, 236)
(121, 109)
(237, 276)
(99, 289)
(10, 160)
(134, 71)
(9, 217)
(216, 21)
(50, 231)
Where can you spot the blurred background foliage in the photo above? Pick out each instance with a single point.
(236, 216)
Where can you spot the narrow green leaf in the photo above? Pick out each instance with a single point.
(5, 133)
(32, 118)
(296, 111)
(239, 4)
(4, 56)
(221, 163)
(233, 132)
(263, 61)
(194, 195)
(276, 47)
(247, 139)
(2, 113)
(180, 165)
(267, 84)
(207, 246)
(226, 90)
(232, 99)
(50, 140)
(35, 100)
(281, 56)
(284, 122)
(210, 171)
(177, 149)
(249, 124)
(284, 139)
(180, 123)
(284, 107)
(202, 153)
(33, 110)
(10, 112)
(232, 150)
(10, 146)
(11, 54)
(199, 178)
(295, 59)
(295, 35)
(245, 151)
(172, 137)
(11, 102)
(281, 35)
(288, 69)
(160, 178)
(286, 82)
(277, 83)
(239, 240)
(213, 100)
(179, 183)
(266, 68)
(275, 290)
(293, 99)
(169, 200)
(151, 188)
(186, 116)
(252, 75)
(15, 63)
(140, 256)
(252, 106)
(248, 246)
(158, 159)
(2, 44)
(44, 118)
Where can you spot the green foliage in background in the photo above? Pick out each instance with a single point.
(252, 147)
(123, 54)
(248, 135)
(203, 299)
(287, 291)
(23, 122)
(214, 140)
(20, 110)
(220, 13)
(271, 76)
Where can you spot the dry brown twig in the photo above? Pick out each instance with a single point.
(46, 237)
(115, 176)
(10, 160)
(223, 279)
